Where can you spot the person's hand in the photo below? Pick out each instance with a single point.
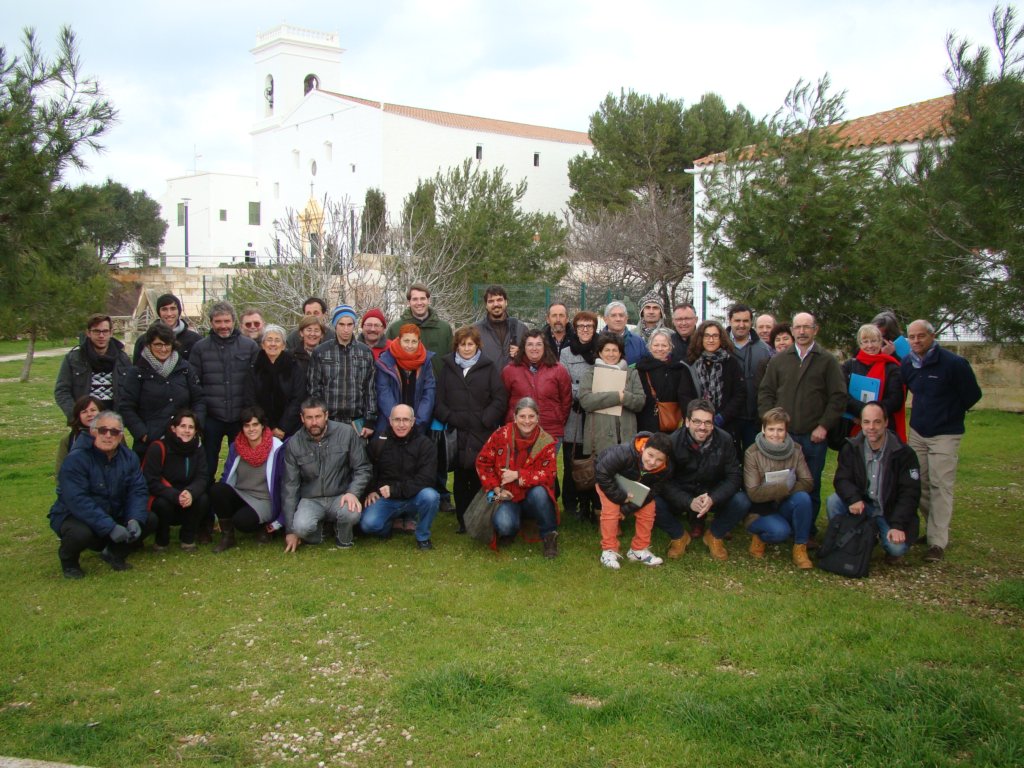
(896, 536)
(819, 434)
(502, 494)
(118, 534)
(291, 542)
(278, 433)
(372, 498)
(385, 491)
(365, 432)
(701, 504)
(134, 531)
(857, 508)
(513, 350)
(888, 348)
(629, 508)
(185, 499)
(509, 476)
(622, 396)
(349, 501)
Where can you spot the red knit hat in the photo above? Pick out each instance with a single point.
(373, 313)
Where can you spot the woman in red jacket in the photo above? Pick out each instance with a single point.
(535, 372)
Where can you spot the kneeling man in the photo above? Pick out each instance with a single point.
(326, 473)
(101, 498)
(404, 465)
(879, 476)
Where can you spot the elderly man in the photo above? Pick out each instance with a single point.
(808, 383)
(435, 333)
(878, 475)
(251, 324)
(615, 316)
(101, 499)
(341, 374)
(944, 388)
(763, 325)
(500, 335)
(404, 464)
(326, 473)
(168, 307)
(684, 321)
(97, 366)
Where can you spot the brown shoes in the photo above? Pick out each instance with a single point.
(800, 558)
(757, 546)
(718, 551)
(677, 547)
(551, 545)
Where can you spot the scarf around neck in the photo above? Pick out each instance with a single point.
(465, 364)
(164, 369)
(255, 457)
(405, 360)
(709, 371)
(773, 451)
(584, 350)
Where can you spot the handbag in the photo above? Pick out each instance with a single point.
(446, 441)
(479, 517)
(847, 544)
(584, 469)
(670, 415)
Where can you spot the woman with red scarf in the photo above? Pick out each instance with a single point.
(248, 496)
(518, 464)
(405, 376)
(870, 362)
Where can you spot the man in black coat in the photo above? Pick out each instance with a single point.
(404, 464)
(879, 476)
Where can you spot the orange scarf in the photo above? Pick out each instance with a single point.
(406, 361)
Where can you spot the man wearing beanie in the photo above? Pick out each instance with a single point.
(168, 308)
(372, 331)
(435, 333)
(652, 315)
(341, 373)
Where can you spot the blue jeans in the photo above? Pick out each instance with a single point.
(726, 516)
(791, 518)
(836, 506)
(537, 505)
(377, 517)
(815, 454)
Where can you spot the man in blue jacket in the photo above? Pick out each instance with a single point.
(945, 388)
(101, 499)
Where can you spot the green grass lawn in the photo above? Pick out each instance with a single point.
(385, 656)
(18, 347)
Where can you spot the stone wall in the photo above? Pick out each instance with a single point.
(1000, 372)
(195, 286)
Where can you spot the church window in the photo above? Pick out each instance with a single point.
(311, 83)
(479, 151)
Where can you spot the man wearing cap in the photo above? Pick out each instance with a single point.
(435, 333)
(168, 307)
(341, 373)
(372, 331)
(652, 315)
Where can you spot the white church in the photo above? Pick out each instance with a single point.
(315, 139)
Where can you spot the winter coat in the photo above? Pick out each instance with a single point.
(388, 384)
(577, 367)
(635, 347)
(602, 430)
(492, 346)
(99, 491)
(944, 388)
(900, 490)
(715, 470)
(171, 467)
(749, 357)
(757, 464)
(664, 376)
(74, 379)
(221, 364)
(148, 400)
(473, 403)
(435, 333)
(549, 386)
(892, 398)
(278, 388)
(734, 393)
(406, 464)
(184, 341)
(343, 377)
(812, 392)
(625, 460)
(274, 467)
(538, 467)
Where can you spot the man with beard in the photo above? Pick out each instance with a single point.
(372, 331)
(558, 333)
(500, 334)
(97, 366)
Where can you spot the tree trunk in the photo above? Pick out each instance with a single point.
(29, 354)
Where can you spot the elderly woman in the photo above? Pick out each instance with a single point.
(603, 430)
(472, 398)
(276, 382)
(311, 335)
(519, 463)
(778, 482)
(872, 363)
(248, 496)
(660, 377)
(177, 478)
(86, 409)
(160, 385)
(578, 358)
(405, 376)
(718, 373)
(534, 372)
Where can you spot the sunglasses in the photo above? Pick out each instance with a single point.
(253, 324)
(112, 431)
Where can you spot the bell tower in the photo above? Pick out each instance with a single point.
(290, 62)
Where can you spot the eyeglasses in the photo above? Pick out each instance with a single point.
(712, 336)
(160, 345)
(401, 420)
(585, 326)
(112, 431)
(252, 324)
(100, 331)
(701, 423)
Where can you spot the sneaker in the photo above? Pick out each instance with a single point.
(644, 556)
(425, 544)
(934, 554)
(76, 572)
(718, 550)
(610, 559)
(343, 544)
(114, 561)
(757, 547)
(677, 547)
(187, 546)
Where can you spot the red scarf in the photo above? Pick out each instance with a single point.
(876, 370)
(254, 457)
(406, 361)
(523, 443)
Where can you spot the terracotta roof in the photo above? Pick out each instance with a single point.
(902, 125)
(471, 123)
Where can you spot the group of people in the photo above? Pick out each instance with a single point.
(694, 428)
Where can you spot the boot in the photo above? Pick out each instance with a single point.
(551, 545)
(800, 558)
(204, 535)
(718, 550)
(757, 547)
(677, 547)
(227, 537)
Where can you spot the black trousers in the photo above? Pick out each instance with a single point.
(229, 506)
(76, 537)
(168, 513)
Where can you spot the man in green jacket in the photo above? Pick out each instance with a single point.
(435, 333)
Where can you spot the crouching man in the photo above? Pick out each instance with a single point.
(101, 499)
(879, 476)
(404, 465)
(326, 473)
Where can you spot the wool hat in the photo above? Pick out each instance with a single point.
(652, 298)
(373, 313)
(342, 310)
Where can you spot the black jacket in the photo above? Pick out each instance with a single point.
(184, 342)
(665, 377)
(901, 481)
(625, 460)
(734, 391)
(171, 467)
(148, 400)
(278, 388)
(715, 471)
(474, 404)
(406, 464)
(222, 365)
(74, 380)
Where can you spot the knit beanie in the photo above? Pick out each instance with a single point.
(652, 298)
(340, 311)
(373, 313)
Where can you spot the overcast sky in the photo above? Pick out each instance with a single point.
(178, 71)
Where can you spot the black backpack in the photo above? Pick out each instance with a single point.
(846, 548)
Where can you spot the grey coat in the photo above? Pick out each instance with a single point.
(577, 368)
(604, 429)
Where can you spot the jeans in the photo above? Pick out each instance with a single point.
(726, 516)
(537, 505)
(790, 518)
(836, 506)
(815, 454)
(308, 520)
(376, 519)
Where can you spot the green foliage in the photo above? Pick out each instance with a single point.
(115, 218)
(373, 226)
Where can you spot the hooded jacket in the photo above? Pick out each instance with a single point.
(473, 403)
(625, 460)
(148, 400)
(388, 386)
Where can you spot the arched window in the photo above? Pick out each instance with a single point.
(311, 83)
(268, 95)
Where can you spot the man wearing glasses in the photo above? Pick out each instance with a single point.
(252, 324)
(101, 499)
(97, 367)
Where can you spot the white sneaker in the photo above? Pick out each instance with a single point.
(610, 559)
(644, 556)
